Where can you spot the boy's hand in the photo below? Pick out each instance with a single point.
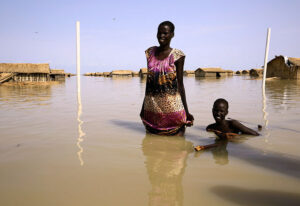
(223, 135)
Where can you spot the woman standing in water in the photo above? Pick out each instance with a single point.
(165, 111)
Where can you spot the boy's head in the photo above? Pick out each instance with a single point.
(220, 109)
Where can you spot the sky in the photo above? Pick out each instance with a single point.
(115, 33)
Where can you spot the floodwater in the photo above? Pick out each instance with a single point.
(56, 152)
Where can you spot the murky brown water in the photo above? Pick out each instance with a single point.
(48, 157)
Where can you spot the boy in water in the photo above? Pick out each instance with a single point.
(226, 128)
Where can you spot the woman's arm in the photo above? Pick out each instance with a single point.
(179, 72)
(142, 110)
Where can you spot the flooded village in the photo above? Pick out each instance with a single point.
(165, 103)
(280, 67)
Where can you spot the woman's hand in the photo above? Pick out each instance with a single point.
(189, 120)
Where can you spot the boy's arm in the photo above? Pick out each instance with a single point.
(245, 130)
(210, 127)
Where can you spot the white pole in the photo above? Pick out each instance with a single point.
(266, 57)
(264, 79)
(78, 48)
(79, 109)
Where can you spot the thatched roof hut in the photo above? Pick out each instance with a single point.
(210, 72)
(57, 71)
(98, 74)
(106, 74)
(135, 74)
(245, 72)
(24, 68)
(189, 73)
(121, 73)
(238, 72)
(57, 75)
(284, 67)
(143, 72)
(229, 72)
(26, 72)
(256, 72)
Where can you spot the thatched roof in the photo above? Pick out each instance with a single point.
(229, 71)
(189, 72)
(211, 70)
(57, 71)
(24, 68)
(106, 73)
(121, 72)
(98, 74)
(295, 61)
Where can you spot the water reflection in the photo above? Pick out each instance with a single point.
(80, 122)
(165, 162)
(23, 94)
(283, 94)
(220, 152)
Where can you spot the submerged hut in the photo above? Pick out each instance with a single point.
(57, 75)
(189, 73)
(106, 74)
(210, 72)
(69, 74)
(245, 72)
(98, 74)
(123, 73)
(284, 67)
(143, 72)
(229, 72)
(256, 72)
(20, 72)
(135, 74)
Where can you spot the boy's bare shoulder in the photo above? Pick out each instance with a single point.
(234, 122)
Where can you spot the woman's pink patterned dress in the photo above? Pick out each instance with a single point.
(164, 113)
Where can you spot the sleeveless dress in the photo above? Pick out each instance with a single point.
(164, 113)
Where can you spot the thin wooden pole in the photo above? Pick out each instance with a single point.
(264, 78)
(266, 57)
(78, 48)
(79, 109)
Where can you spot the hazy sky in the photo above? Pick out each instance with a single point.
(115, 33)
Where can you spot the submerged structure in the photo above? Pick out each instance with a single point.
(24, 72)
(284, 67)
(245, 72)
(189, 73)
(229, 72)
(124, 73)
(27, 72)
(256, 72)
(210, 72)
(57, 75)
